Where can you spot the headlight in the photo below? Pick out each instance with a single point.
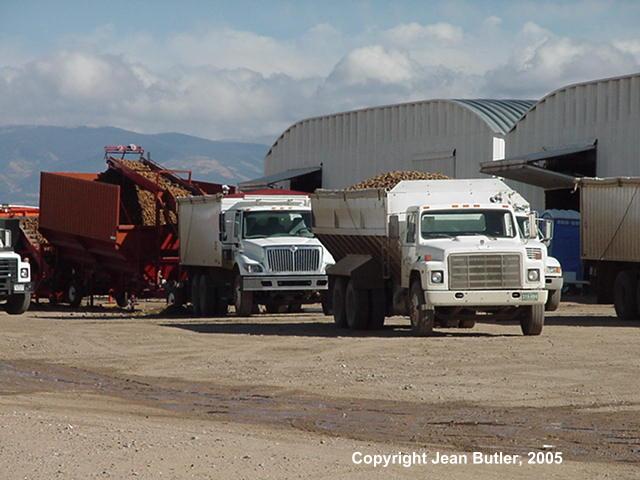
(533, 275)
(253, 268)
(553, 270)
(24, 272)
(436, 276)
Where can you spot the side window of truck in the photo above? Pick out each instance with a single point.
(411, 228)
(237, 233)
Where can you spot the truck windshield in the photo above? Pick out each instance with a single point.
(453, 223)
(275, 223)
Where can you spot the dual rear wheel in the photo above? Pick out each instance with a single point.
(356, 308)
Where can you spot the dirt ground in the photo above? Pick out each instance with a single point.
(108, 394)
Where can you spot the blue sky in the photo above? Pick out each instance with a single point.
(248, 69)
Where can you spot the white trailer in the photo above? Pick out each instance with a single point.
(249, 250)
(439, 251)
(15, 275)
(609, 226)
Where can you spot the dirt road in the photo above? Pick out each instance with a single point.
(107, 394)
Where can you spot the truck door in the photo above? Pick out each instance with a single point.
(409, 240)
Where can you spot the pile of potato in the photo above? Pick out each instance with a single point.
(390, 179)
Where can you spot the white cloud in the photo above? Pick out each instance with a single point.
(411, 33)
(226, 83)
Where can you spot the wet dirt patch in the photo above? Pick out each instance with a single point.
(604, 433)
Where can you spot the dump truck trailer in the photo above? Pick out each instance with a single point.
(610, 222)
(250, 249)
(113, 232)
(440, 251)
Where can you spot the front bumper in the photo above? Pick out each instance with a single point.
(9, 287)
(554, 283)
(285, 283)
(484, 298)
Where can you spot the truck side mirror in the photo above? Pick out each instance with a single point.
(546, 229)
(221, 227)
(533, 225)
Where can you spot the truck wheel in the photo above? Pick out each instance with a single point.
(222, 303)
(74, 294)
(338, 298)
(378, 309)
(624, 296)
(553, 302)
(122, 299)
(294, 308)
(18, 303)
(207, 296)
(532, 319)
(357, 307)
(421, 320)
(327, 306)
(241, 299)
(196, 304)
(467, 323)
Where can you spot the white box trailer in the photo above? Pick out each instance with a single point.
(250, 249)
(610, 250)
(440, 251)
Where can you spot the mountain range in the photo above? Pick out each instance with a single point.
(25, 151)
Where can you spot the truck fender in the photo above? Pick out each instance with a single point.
(364, 270)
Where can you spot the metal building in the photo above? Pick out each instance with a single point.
(452, 137)
(586, 129)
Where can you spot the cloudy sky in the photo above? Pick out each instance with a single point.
(248, 69)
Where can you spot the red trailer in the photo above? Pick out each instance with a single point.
(113, 232)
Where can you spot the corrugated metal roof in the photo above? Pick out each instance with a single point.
(573, 86)
(501, 115)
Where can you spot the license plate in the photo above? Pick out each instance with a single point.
(528, 296)
(18, 287)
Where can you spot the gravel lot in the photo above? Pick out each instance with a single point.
(108, 394)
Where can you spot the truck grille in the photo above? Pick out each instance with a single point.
(289, 259)
(484, 271)
(8, 272)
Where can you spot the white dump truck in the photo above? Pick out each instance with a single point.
(439, 251)
(248, 250)
(610, 250)
(15, 276)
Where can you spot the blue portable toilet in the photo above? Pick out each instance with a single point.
(565, 245)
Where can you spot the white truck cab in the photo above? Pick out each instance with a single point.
(15, 277)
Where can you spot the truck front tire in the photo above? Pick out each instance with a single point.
(18, 303)
(242, 300)
(624, 295)
(421, 320)
(553, 302)
(532, 319)
(357, 306)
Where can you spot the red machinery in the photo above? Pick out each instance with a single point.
(113, 232)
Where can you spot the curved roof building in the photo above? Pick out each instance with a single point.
(585, 129)
(448, 136)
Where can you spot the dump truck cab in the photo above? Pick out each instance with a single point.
(15, 276)
(471, 254)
